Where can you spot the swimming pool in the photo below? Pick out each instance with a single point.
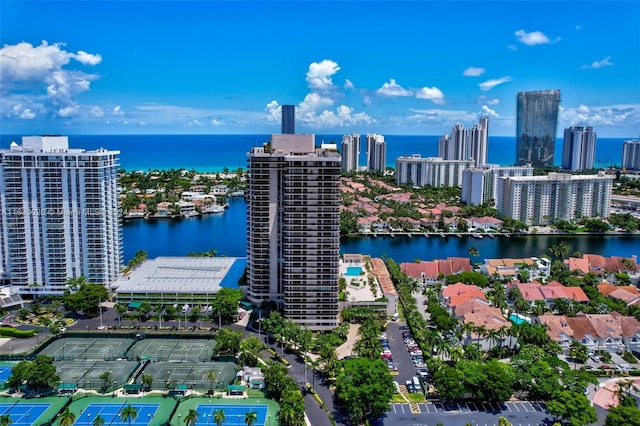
(353, 271)
(518, 319)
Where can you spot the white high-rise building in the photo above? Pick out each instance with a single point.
(541, 200)
(631, 155)
(60, 215)
(293, 231)
(376, 153)
(579, 149)
(466, 144)
(480, 184)
(350, 150)
(434, 171)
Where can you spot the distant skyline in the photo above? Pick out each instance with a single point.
(224, 67)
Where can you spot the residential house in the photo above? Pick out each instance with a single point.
(485, 223)
(628, 294)
(457, 294)
(534, 291)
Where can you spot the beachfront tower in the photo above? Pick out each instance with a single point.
(293, 232)
(537, 120)
(631, 155)
(288, 119)
(61, 218)
(376, 153)
(350, 150)
(579, 149)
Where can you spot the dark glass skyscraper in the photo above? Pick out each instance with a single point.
(537, 115)
(288, 119)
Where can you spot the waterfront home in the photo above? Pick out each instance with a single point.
(164, 209)
(485, 223)
(219, 190)
(457, 294)
(507, 269)
(534, 291)
(610, 332)
(605, 267)
(425, 273)
(187, 208)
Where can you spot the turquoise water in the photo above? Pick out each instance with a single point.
(353, 271)
(516, 319)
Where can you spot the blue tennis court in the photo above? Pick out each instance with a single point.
(111, 414)
(23, 414)
(5, 372)
(234, 414)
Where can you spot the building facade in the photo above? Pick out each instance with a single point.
(293, 232)
(631, 155)
(376, 153)
(466, 144)
(480, 184)
(478, 137)
(288, 119)
(579, 149)
(434, 171)
(62, 218)
(350, 150)
(537, 122)
(541, 200)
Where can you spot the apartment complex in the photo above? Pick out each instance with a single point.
(60, 215)
(434, 171)
(631, 155)
(376, 153)
(466, 144)
(540, 200)
(480, 184)
(350, 150)
(537, 121)
(579, 149)
(293, 235)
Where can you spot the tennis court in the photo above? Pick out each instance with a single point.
(86, 374)
(88, 348)
(234, 414)
(5, 372)
(192, 350)
(191, 374)
(111, 414)
(24, 414)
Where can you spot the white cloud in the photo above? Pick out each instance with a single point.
(486, 111)
(96, 111)
(342, 117)
(319, 74)
(349, 85)
(432, 93)
(366, 100)
(68, 111)
(512, 47)
(393, 89)
(34, 70)
(216, 122)
(490, 84)
(627, 115)
(27, 114)
(473, 72)
(442, 117)
(533, 38)
(273, 111)
(489, 101)
(599, 64)
(313, 102)
(117, 110)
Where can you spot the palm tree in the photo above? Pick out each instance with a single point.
(218, 417)
(67, 418)
(106, 379)
(191, 418)
(492, 336)
(212, 377)
(120, 309)
(5, 420)
(250, 418)
(467, 329)
(147, 380)
(129, 414)
(98, 421)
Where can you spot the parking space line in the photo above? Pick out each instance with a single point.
(527, 405)
(508, 407)
(439, 407)
(472, 404)
(515, 405)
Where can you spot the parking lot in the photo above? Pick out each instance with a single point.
(469, 407)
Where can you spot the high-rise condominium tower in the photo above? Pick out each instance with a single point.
(631, 155)
(464, 144)
(288, 119)
(293, 232)
(478, 137)
(578, 149)
(350, 150)
(61, 218)
(376, 153)
(537, 120)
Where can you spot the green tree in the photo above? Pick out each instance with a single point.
(191, 418)
(364, 388)
(578, 352)
(38, 375)
(147, 380)
(106, 378)
(219, 417)
(67, 418)
(473, 251)
(120, 309)
(129, 414)
(572, 407)
(250, 349)
(560, 250)
(5, 420)
(228, 340)
(98, 420)
(621, 415)
(212, 377)
(250, 418)
(87, 299)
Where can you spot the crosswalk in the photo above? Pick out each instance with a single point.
(468, 407)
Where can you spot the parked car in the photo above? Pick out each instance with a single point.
(404, 327)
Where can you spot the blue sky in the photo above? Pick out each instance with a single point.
(419, 67)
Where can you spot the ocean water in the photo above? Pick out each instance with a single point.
(215, 152)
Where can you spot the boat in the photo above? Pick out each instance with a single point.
(214, 208)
